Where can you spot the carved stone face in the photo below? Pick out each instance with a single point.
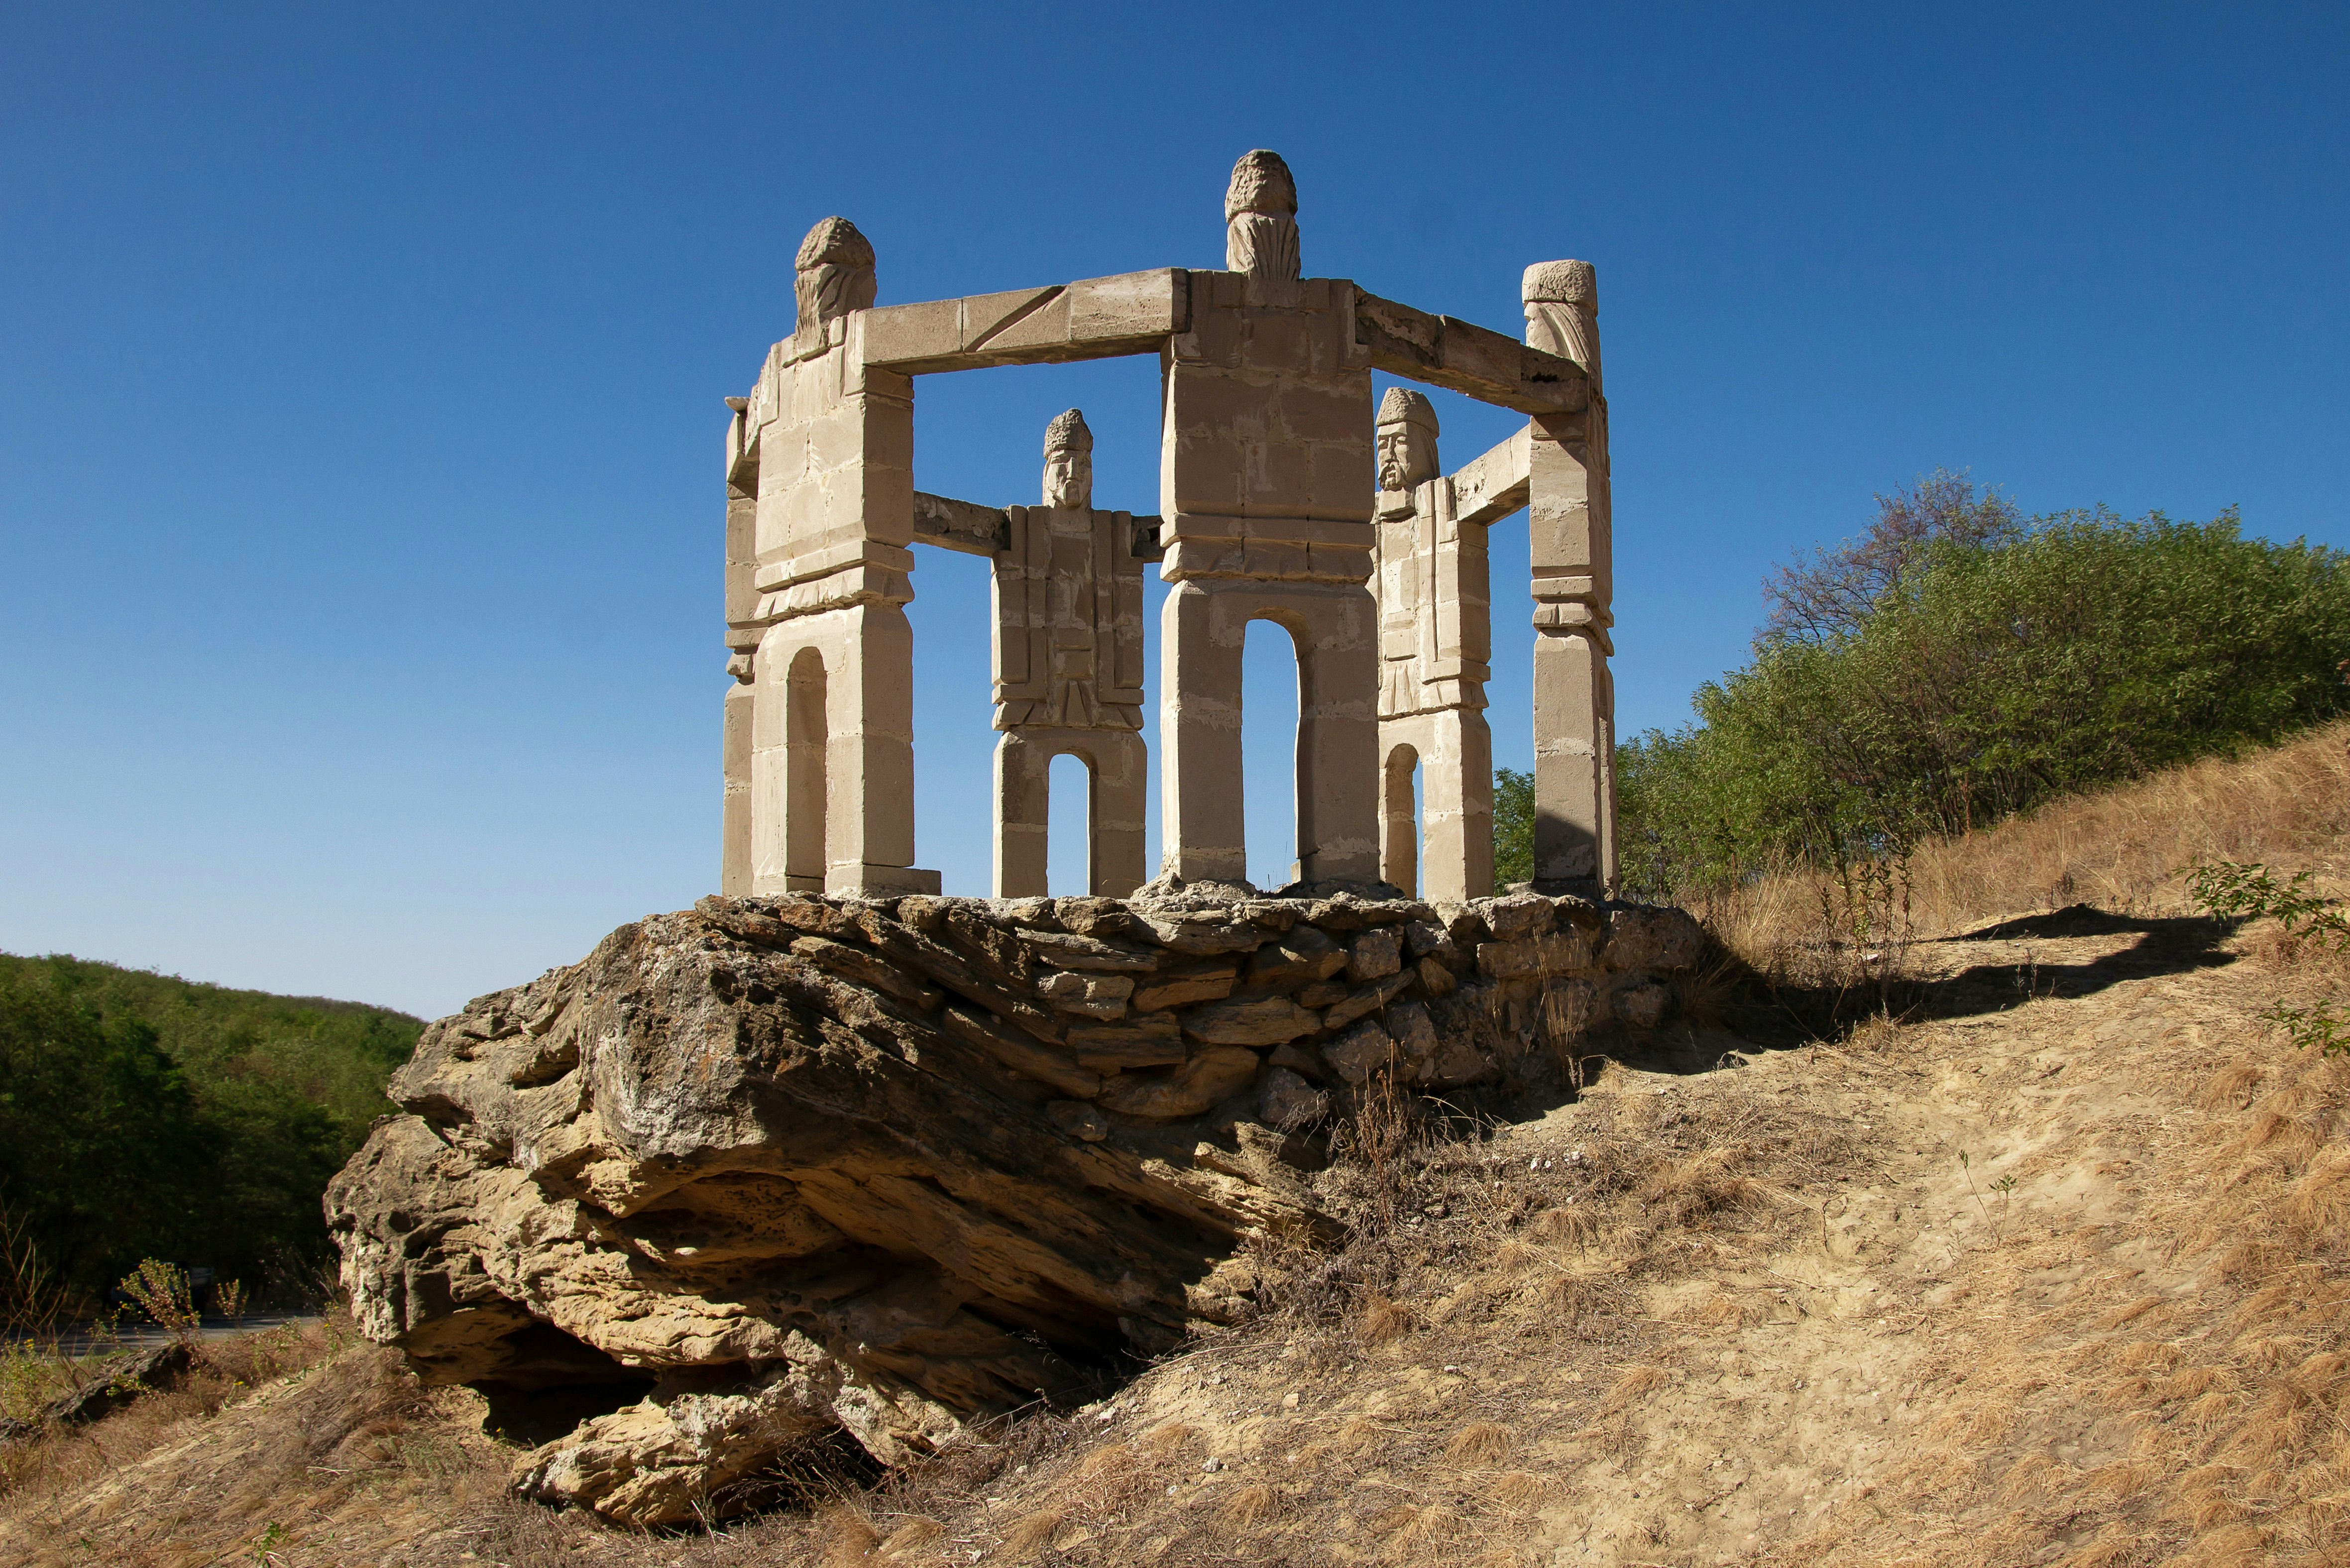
(1069, 479)
(1407, 456)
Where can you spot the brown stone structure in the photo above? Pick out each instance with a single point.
(1272, 509)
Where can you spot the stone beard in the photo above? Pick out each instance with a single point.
(1562, 302)
(1261, 219)
(833, 272)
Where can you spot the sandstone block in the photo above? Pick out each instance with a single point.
(1369, 999)
(1087, 995)
(1181, 989)
(1360, 1051)
(1324, 993)
(1517, 916)
(1375, 954)
(1425, 939)
(1287, 1101)
(1191, 934)
(858, 965)
(1298, 1059)
(1020, 1053)
(1434, 977)
(1643, 1006)
(1653, 939)
(1250, 1021)
(1151, 1040)
(1208, 1079)
(1300, 957)
(1064, 949)
(1079, 1120)
(1458, 1063)
(1414, 1032)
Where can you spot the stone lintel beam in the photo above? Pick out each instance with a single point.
(963, 525)
(977, 530)
(1489, 488)
(1094, 318)
(1466, 359)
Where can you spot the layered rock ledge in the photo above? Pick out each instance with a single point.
(770, 1169)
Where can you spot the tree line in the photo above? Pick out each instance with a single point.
(143, 1115)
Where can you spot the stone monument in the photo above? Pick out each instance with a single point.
(1068, 672)
(1273, 509)
(1435, 645)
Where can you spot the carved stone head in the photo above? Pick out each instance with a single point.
(1261, 218)
(1407, 436)
(1069, 463)
(1562, 301)
(834, 274)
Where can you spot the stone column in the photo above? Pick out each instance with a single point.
(1265, 485)
(1569, 526)
(1068, 673)
(832, 441)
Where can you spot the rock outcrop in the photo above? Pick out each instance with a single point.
(772, 1168)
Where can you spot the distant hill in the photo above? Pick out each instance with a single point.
(143, 1115)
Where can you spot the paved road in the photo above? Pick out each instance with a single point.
(142, 1335)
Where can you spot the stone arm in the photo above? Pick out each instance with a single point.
(1466, 359)
(976, 530)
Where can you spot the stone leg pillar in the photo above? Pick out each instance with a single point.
(1574, 725)
(1456, 786)
(1201, 820)
(1121, 786)
(1336, 629)
(1022, 807)
(832, 755)
(1398, 812)
(734, 828)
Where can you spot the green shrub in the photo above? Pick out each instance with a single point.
(1994, 665)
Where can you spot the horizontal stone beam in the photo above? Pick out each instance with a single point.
(1095, 318)
(976, 530)
(1489, 488)
(963, 525)
(1463, 357)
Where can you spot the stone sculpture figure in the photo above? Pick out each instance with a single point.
(1068, 672)
(1570, 526)
(1265, 485)
(1261, 219)
(820, 743)
(1435, 649)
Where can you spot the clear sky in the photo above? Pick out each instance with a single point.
(360, 368)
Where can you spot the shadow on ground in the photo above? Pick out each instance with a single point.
(2042, 960)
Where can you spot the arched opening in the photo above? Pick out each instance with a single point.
(1069, 827)
(804, 774)
(1272, 688)
(1400, 820)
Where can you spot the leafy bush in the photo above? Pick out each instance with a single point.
(1960, 664)
(141, 1115)
(1514, 827)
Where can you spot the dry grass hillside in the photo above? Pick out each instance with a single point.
(2038, 1258)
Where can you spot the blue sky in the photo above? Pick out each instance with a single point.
(360, 372)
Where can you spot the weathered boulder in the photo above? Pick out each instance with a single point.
(774, 1168)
